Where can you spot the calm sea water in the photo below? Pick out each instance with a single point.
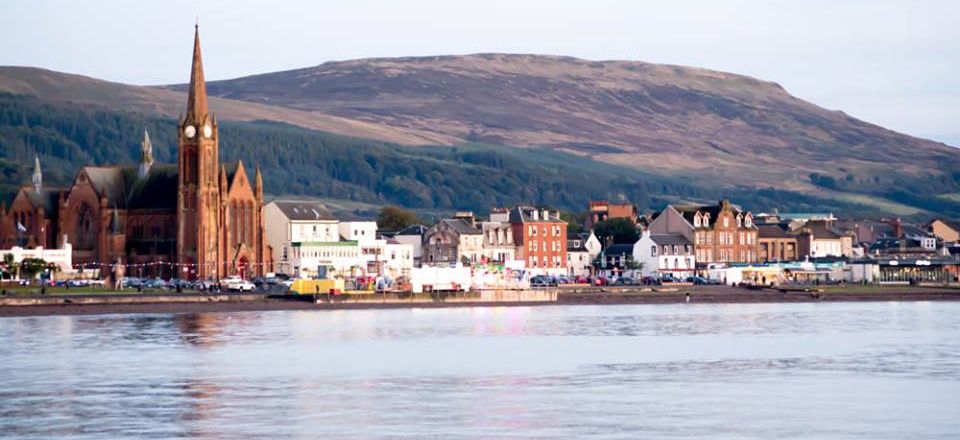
(853, 370)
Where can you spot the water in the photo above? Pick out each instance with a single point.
(835, 370)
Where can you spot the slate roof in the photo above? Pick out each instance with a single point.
(413, 230)
(690, 211)
(303, 211)
(820, 230)
(619, 249)
(522, 214)
(48, 199)
(460, 226)
(124, 189)
(576, 245)
(773, 230)
(669, 239)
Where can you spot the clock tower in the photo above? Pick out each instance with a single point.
(198, 191)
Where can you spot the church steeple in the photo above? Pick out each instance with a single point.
(146, 155)
(37, 175)
(197, 98)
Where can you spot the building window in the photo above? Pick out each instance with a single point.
(726, 222)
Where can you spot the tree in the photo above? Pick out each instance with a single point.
(8, 266)
(394, 218)
(620, 230)
(574, 222)
(30, 267)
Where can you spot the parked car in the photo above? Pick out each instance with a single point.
(234, 282)
(698, 280)
(543, 280)
(582, 280)
(77, 283)
(625, 281)
(667, 278)
(154, 283)
(650, 281)
(132, 282)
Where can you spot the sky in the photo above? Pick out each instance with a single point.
(893, 63)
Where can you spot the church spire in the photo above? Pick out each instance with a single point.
(37, 174)
(146, 155)
(197, 98)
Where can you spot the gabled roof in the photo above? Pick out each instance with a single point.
(108, 182)
(690, 211)
(460, 226)
(524, 214)
(669, 239)
(123, 187)
(47, 198)
(576, 244)
(303, 211)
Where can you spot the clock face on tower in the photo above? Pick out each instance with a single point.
(207, 131)
(190, 131)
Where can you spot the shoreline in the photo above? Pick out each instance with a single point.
(249, 303)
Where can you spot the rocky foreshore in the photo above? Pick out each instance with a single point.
(195, 303)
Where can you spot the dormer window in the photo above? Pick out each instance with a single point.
(696, 221)
(739, 221)
(749, 221)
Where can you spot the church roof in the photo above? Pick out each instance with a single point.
(157, 191)
(123, 188)
(48, 199)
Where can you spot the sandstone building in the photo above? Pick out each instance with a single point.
(198, 219)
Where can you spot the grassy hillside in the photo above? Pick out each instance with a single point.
(308, 163)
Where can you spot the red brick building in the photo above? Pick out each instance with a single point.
(541, 239)
(602, 210)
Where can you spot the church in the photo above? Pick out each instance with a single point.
(199, 219)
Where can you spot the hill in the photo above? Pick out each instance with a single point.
(705, 125)
(648, 133)
(308, 163)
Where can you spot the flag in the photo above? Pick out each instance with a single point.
(21, 228)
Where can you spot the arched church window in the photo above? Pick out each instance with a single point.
(85, 228)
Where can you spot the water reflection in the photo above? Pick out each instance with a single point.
(858, 370)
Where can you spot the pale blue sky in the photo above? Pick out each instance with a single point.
(894, 63)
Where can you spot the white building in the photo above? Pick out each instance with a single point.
(581, 251)
(398, 258)
(361, 231)
(289, 222)
(413, 235)
(326, 259)
(665, 254)
(62, 257)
